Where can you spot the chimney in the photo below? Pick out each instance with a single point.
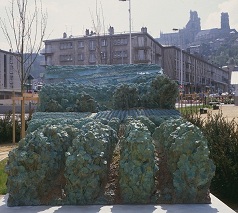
(111, 30)
(144, 29)
(64, 35)
(87, 32)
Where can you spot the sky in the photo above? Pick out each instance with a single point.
(75, 16)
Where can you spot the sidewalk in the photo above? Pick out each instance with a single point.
(215, 207)
(3, 155)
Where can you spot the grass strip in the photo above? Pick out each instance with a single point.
(3, 177)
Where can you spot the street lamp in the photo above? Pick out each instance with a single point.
(181, 60)
(181, 68)
(129, 25)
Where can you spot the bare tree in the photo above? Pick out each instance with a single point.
(24, 29)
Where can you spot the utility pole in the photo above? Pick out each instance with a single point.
(130, 61)
(181, 88)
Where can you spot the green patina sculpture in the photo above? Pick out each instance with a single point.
(91, 144)
(137, 167)
(87, 163)
(186, 165)
(131, 90)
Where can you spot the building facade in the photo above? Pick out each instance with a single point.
(92, 49)
(9, 77)
(198, 74)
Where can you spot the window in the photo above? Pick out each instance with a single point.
(81, 57)
(92, 45)
(120, 54)
(103, 55)
(141, 55)
(141, 42)
(66, 58)
(104, 42)
(48, 48)
(120, 41)
(66, 45)
(81, 44)
(48, 60)
(11, 59)
(11, 69)
(92, 58)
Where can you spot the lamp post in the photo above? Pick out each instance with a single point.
(129, 26)
(181, 60)
(181, 68)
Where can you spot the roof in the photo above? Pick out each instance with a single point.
(9, 52)
(71, 38)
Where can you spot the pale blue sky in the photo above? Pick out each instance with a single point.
(74, 16)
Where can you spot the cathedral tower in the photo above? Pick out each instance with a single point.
(225, 21)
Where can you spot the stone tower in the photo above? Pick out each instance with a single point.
(192, 28)
(225, 21)
(194, 22)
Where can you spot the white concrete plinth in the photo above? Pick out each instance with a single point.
(215, 207)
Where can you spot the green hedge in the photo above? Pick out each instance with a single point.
(6, 127)
(222, 136)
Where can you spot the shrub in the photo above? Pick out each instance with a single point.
(6, 127)
(222, 136)
(3, 179)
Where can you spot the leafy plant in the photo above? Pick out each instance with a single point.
(3, 177)
(6, 127)
(222, 136)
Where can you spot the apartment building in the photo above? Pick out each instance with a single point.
(9, 78)
(90, 49)
(198, 75)
(111, 48)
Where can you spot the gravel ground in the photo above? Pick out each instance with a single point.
(229, 111)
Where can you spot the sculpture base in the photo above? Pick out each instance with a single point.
(215, 206)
